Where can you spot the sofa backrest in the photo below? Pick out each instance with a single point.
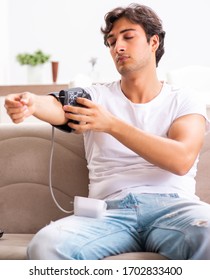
(26, 204)
(203, 172)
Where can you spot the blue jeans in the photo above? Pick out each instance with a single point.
(163, 223)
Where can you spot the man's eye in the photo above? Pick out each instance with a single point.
(128, 37)
(112, 43)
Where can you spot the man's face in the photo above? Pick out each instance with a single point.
(129, 47)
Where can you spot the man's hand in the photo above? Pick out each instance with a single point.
(19, 106)
(90, 117)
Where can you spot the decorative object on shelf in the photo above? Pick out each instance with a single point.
(54, 66)
(34, 62)
(34, 74)
(93, 61)
(80, 80)
(94, 75)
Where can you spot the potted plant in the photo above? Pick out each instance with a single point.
(34, 61)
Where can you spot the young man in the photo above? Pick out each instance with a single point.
(142, 139)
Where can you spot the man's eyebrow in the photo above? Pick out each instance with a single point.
(122, 31)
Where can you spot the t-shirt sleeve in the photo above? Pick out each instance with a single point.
(191, 103)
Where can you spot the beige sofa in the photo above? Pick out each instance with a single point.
(26, 204)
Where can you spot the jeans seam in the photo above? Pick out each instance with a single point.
(183, 233)
(76, 254)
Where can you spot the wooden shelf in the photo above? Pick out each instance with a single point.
(38, 89)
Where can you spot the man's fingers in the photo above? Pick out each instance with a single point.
(85, 102)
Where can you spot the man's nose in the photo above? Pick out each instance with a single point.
(121, 50)
(119, 47)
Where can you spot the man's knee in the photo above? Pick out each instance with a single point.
(42, 246)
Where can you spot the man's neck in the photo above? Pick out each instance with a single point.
(141, 89)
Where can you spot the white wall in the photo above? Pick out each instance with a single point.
(4, 45)
(69, 30)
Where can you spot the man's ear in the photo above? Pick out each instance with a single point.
(154, 42)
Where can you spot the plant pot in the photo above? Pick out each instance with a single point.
(34, 74)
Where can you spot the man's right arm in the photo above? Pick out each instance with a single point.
(47, 108)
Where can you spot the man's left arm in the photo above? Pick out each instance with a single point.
(177, 153)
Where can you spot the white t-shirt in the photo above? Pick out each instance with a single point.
(115, 170)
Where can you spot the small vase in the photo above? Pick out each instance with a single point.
(34, 74)
(54, 65)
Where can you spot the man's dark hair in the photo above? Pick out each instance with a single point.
(138, 14)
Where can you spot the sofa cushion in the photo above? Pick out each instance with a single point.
(13, 246)
(137, 256)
